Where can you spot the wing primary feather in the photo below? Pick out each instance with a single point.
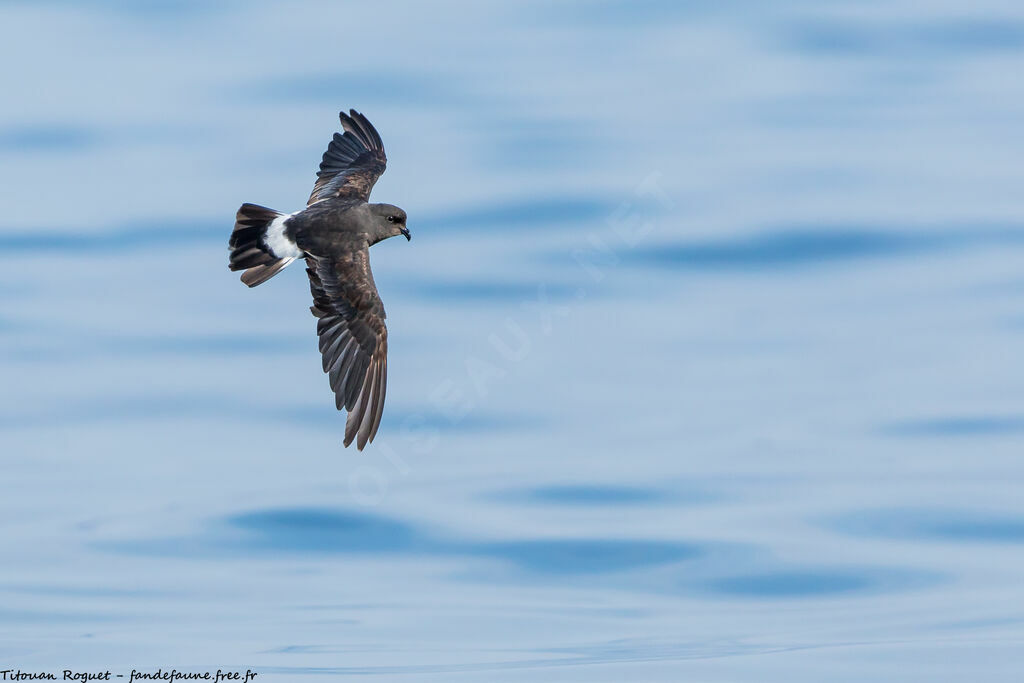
(355, 413)
(326, 326)
(371, 391)
(369, 133)
(330, 334)
(342, 151)
(378, 410)
(336, 350)
(339, 372)
(350, 428)
(366, 431)
(355, 380)
(360, 131)
(353, 340)
(352, 163)
(343, 368)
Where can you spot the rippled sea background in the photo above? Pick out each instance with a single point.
(705, 355)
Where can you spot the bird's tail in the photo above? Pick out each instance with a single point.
(260, 245)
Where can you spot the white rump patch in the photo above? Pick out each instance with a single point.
(279, 243)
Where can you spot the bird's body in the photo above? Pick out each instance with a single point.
(333, 234)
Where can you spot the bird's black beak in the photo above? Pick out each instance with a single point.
(408, 235)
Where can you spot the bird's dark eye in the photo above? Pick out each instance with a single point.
(391, 219)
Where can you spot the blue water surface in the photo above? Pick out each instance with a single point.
(704, 356)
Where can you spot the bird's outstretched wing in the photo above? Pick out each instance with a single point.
(353, 338)
(352, 162)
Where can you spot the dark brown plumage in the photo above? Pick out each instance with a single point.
(333, 234)
(352, 162)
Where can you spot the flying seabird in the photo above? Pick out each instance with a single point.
(334, 233)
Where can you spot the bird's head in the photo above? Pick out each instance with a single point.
(387, 220)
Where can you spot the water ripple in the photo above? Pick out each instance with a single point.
(588, 556)
(596, 495)
(933, 524)
(790, 248)
(321, 530)
(958, 426)
(650, 565)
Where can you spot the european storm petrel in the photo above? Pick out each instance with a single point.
(334, 233)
